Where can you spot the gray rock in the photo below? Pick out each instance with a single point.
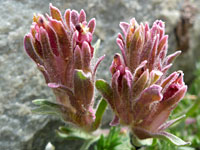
(21, 82)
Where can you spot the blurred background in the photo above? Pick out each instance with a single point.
(21, 82)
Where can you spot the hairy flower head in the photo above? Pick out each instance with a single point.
(62, 50)
(141, 94)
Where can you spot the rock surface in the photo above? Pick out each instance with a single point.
(21, 82)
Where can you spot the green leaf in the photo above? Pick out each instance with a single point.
(172, 138)
(113, 141)
(44, 102)
(99, 114)
(73, 133)
(154, 142)
(171, 122)
(104, 88)
(66, 130)
(46, 107)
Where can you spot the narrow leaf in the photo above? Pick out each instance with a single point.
(73, 133)
(44, 102)
(171, 122)
(172, 138)
(46, 107)
(99, 113)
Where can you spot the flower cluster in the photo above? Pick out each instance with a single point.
(62, 50)
(141, 95)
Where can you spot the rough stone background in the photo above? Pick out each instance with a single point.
(21, 82)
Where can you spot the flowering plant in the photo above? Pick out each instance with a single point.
(141, 94)
(63, 52)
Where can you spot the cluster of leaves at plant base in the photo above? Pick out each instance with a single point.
(113, 141)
